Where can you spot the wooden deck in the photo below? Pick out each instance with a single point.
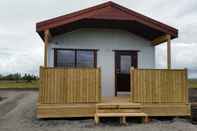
(111, 105)
(77, 93)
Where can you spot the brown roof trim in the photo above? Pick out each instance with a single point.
(145, 18)
(40, 26)
(88, 12)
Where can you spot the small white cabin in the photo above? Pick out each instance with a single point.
(105, 56)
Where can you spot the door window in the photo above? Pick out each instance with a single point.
(125, 63)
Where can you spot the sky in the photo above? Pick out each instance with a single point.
(21, 49)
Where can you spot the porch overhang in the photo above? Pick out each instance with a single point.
(108, 15)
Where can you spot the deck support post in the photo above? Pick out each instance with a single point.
(123, 121)
(146, 119)
(96, 119)
(169, 51)
(46, 41)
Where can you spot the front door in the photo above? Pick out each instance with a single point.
(124, 60)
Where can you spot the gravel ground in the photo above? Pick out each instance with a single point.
(17, 113)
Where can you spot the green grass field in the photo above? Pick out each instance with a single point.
(35, 84)
(20, 84)
(193, 83)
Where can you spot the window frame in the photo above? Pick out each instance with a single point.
(75, 52)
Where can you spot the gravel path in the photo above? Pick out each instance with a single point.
(17, 113)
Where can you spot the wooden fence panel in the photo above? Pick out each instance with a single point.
(69, 85)
(159, 86)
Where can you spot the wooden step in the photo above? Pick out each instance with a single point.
(114, 103)
(118, 110)
(121, 110)
(118, 106)
(140, 114)
(121, 115)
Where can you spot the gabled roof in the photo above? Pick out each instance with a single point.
(107, 15)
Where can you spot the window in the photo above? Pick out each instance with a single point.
(65, 58)
(75, 58)
(85, 58)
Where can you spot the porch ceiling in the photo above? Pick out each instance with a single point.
(107, 15)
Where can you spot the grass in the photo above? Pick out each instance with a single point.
(19, 84)
(35, 84)
(193, 83)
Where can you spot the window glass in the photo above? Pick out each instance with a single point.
(125, 63)
(75, 58)
(65, 58)
(85, 59)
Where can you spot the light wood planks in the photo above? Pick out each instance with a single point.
(121, 114)
(76, 93)
(73, 85)
(65, 110)
(118, 109)
(167, 109)
(159, 86)
(111, 106)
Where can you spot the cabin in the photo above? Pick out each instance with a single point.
(100, 62)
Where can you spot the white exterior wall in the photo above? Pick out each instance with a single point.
(105, 40)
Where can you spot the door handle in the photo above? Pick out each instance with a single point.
(117, 71)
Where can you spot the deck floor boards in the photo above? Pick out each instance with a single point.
(89, 109)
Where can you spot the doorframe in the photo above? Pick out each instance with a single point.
(115, 54)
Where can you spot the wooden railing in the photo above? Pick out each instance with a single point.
(69, 85)
(159, 86)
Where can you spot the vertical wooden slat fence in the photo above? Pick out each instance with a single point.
(69, 85)
(159, 86)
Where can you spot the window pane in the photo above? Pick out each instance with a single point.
(65, 58)
(125, 63)
(85, 59)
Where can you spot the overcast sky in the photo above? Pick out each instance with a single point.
(21, 49)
